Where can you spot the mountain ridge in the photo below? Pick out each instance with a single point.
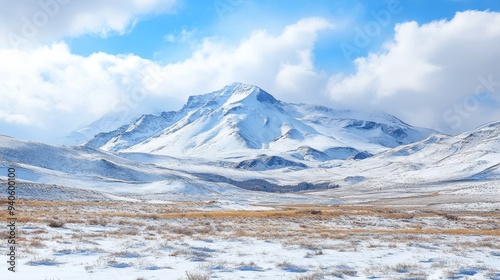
(243, 118)
(465, 163)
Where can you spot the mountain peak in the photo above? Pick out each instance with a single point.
(230, 94)
(239, 91)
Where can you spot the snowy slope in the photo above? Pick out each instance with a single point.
(84, 168)
(471, 155)
(48, 169)
(39, 159)
(244, 120)
(138, 131)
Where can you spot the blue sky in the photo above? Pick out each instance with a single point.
(430, 63)
(234, 19)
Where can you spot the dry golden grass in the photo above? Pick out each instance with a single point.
(181, 210)
(36, 244)
(316, 221)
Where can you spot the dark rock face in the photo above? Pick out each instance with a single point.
(341, 152)
(267, 162)
(265, 97)
(362, 155)
(265, 186)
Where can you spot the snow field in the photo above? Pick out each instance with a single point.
(118, 240)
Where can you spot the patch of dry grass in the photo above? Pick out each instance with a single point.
(56, 223)
(197, 276)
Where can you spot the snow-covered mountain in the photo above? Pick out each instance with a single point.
(473, 155)
(245, 121)
(467, 163)
(439, 159)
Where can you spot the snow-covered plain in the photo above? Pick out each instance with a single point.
(133, 240)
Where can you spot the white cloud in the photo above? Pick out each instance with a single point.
(29, 22)
(49, 89)
(429, 74)
(261, 58)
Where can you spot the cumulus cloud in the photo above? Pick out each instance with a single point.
(261, 58)
(29, 22)
(444, 74)
(49, 89)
